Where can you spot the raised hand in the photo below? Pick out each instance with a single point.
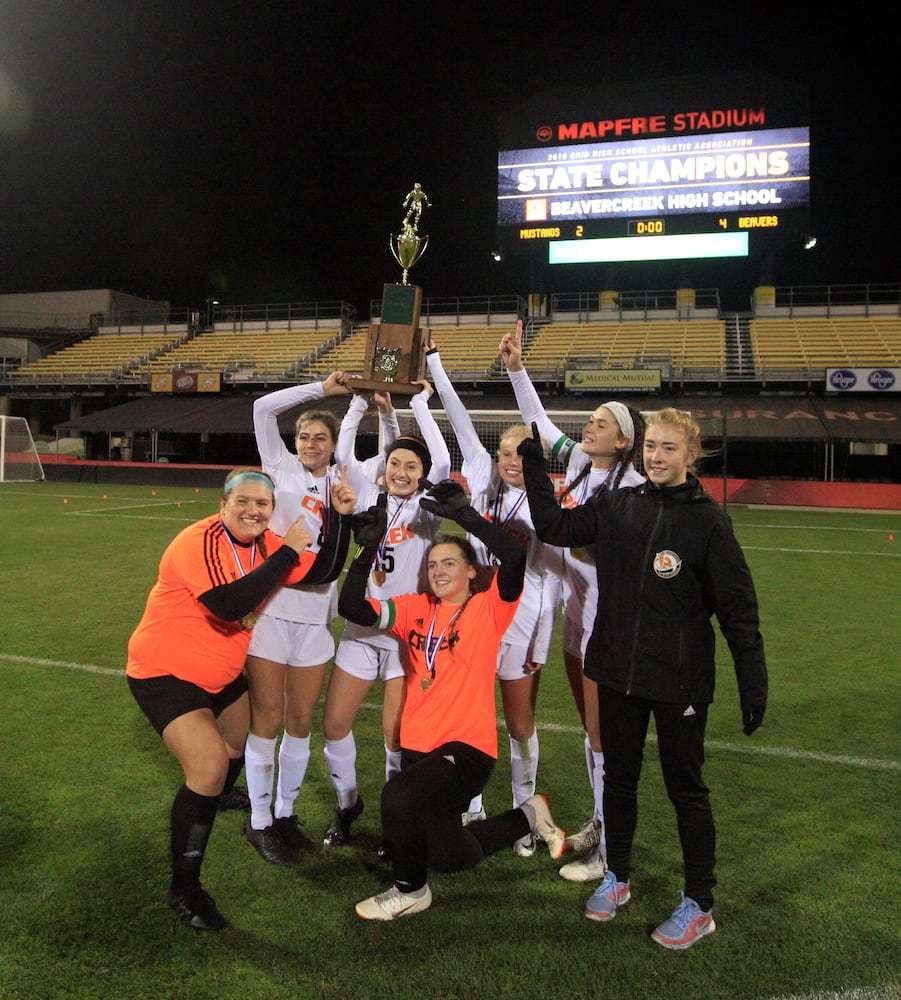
(511, 349)
(445, 499)
(531, 449)
(370, 525)
(344, 498)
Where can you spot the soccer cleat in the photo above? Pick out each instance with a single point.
(196, 908)
(270, 845)
(543, 825)
(234, 798)
(288, 828)
(589, 836)
(338, 832)
(471, 817)
(607, 897)
(525, 846)
(393, 904)
(688, 924)
(586, 869)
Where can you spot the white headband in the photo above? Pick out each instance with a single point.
(623, 418)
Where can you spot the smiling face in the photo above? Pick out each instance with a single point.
(509, 464)
(602, 438)
(450, 573)
(667, 454)
(246, 510)
(403, 470)
(315, 446)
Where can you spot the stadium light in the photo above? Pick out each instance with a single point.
(497, 256)
(810, 242)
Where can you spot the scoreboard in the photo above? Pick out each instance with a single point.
(713, 166)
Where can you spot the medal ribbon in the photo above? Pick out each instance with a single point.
(502, 521)
(432, 645)
(380, 553)
(253, 551)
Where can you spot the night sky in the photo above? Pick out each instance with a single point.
(260, 152)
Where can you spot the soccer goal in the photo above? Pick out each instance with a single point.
(19, 462)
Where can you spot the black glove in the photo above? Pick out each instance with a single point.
(752, 717)
(446, 499)
(370, 525)
(531, 449)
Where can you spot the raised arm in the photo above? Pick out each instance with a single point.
(431, 432)
(267, 408)
(527, 399)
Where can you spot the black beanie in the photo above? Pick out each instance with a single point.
(415, 445)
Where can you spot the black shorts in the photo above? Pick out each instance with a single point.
(163, 699)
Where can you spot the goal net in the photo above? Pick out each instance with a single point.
(19, 462)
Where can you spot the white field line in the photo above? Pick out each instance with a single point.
(891, 991)
(551, 727)
(821, 552)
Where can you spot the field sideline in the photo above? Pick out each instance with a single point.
(806, 808)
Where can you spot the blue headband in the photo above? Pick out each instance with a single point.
(252, 477)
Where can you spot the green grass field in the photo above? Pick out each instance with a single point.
(807, 808)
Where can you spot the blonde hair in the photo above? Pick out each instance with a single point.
(690, 427)
(515, 432)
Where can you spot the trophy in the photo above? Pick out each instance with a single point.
(395, 349)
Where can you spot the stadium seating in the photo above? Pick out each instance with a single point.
(101, 356)
(686, 346)
(247, 354)
(811, 344)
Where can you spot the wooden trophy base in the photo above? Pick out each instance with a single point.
(395, 349)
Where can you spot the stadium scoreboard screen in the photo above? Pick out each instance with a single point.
(714, 166)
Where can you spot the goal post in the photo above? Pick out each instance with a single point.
(19, 461)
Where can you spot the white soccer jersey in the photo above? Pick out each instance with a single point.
(400, 563)
(580, 582)
(297, 492)
(533, 624)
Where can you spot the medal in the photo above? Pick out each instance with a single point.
(248, 621)
(426, 683)
(379, 576)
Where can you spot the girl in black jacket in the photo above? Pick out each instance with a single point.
(667, 561)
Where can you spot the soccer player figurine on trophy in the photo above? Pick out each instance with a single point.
(395, 350)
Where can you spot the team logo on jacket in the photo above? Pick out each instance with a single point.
(667, 564)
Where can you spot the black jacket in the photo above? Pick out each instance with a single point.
(667, 561)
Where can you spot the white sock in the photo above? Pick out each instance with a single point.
(392, 763)
(524, 768)
(259, 769)
(589, 760)
(341, 757)
(599, 799)
(293, 758)
(476, 804)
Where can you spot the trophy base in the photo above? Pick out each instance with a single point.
(380, 385)
(395, 352)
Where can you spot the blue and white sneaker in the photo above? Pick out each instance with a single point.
(607, 897)
(688, 924)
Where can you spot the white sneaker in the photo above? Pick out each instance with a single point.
(588, 837)
(586, 869)
(471, 817)
(543, 825)
(392, 904)
(525, 846)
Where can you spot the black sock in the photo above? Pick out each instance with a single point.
(235, 766)
(192, 823)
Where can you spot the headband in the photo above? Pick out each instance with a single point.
(623, 418)
(416, 446)
(248, 477)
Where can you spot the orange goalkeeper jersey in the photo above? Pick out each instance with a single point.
(178, 635)
(453, 700)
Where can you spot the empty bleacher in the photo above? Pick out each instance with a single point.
(103, 356)
(785, 345)
(685, 348)
(247, 354)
